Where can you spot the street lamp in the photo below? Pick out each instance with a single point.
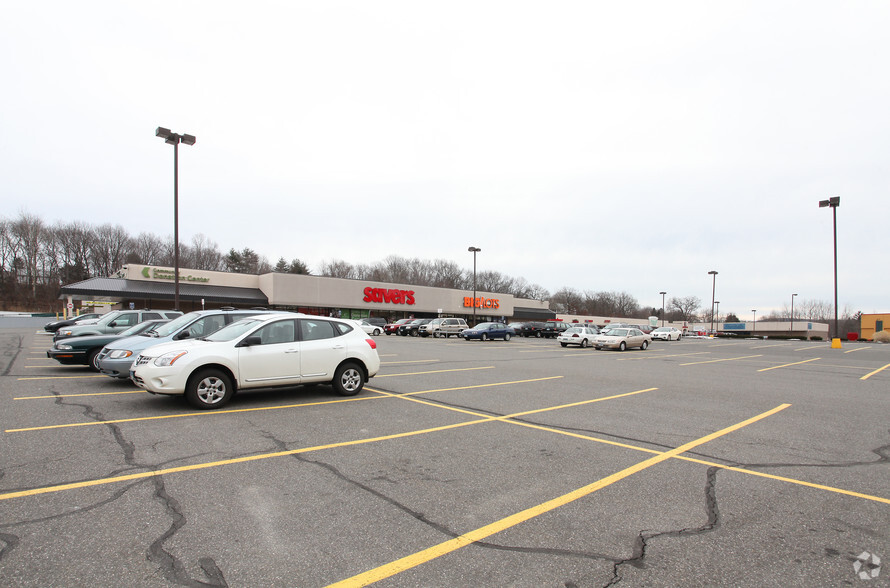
(175, 139)
(791, 330)
(754, 310)
(474, 251)
(713, 292)
(833, 203)
(717, 318)
(662, 307)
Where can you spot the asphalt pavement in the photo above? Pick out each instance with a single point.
(693, 463)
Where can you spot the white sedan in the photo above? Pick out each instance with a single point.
(667, 333)
(369, 328)
(263, 351)
(581, 336)
(623, 338)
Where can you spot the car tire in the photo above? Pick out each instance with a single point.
(92, 359)
(644, 345)
(376, 332)
(507, 337)
(622, 346)
(208, 389)
(538, 334)
(597, 348)
(564, 344)
(348, 379)
(484, 337)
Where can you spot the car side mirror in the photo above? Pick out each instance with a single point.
(250, 341)
(112, 324)
(182, 335)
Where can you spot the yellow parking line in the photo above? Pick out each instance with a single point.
(867, 376)
(718, 360)
(416, 559)
(857, 349)
(60, 377)
(773, 345)
(412, 361)
(775, 367)
(279, 407)
(488, 367)
(662, 356)
(78, 395)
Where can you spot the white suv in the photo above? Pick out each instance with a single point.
(450, 326)
(260, 352)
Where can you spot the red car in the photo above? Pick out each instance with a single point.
(393, 328)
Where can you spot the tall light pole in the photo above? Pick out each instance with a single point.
(791, 331)
(662, 307)
(713, 292)
(474, 251)
(717, 318)
(754, 310)
(833, 203)
(175, 139)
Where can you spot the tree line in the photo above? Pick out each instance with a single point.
(36, 259)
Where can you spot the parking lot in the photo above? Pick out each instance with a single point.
(519, 463)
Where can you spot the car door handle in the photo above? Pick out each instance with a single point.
(339, 346)
(291, 350)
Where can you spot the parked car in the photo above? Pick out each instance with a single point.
(370, 328)
(376, 320)
(116, 358)
(115, 322)
(54, 326)
(578, 335)
(450, 326)
(486, 331)
(409, 329)
(260, 352)
(667, 333)
(553, 329)
(393, 328)
(84, 350)
(532, 329)
(622, 338)
(427, 329)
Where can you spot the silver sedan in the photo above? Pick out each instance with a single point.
(621, 339)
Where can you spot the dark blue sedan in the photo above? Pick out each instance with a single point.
(486, 331)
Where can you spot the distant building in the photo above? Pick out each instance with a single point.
(869, 324)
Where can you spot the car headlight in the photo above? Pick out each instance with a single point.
(169, 359)
(63, 346)
(120, 354)
(65, 332)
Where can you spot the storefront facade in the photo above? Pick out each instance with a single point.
(151, 286)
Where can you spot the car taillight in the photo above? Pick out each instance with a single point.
(372, 343)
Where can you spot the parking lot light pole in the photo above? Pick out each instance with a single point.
(713, 292)
(717, 313)
(474, 251)
(754, 310)
(833, 203)
(791, 331)
(175, 139)
(662, 307)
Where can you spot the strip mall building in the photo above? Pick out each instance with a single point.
(142, 286)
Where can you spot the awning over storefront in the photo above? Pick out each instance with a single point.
(121, 289)
(541, 314)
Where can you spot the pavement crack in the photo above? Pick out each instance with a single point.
(643, 539)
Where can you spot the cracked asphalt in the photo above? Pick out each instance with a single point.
(694, 463)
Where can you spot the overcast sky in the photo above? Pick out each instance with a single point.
(627, 146)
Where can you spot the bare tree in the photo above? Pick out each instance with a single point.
(685, 308)
(336, 268)
(567, 301)
(30, 233)
(110, 249)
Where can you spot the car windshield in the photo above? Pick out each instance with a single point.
(173, 326)
(486, 325)
(617, 332)
(571, 330)
(662, 330)
(108, 317)
(233, 331)
(136, 329)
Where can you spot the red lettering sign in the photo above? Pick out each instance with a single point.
(390, 296)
